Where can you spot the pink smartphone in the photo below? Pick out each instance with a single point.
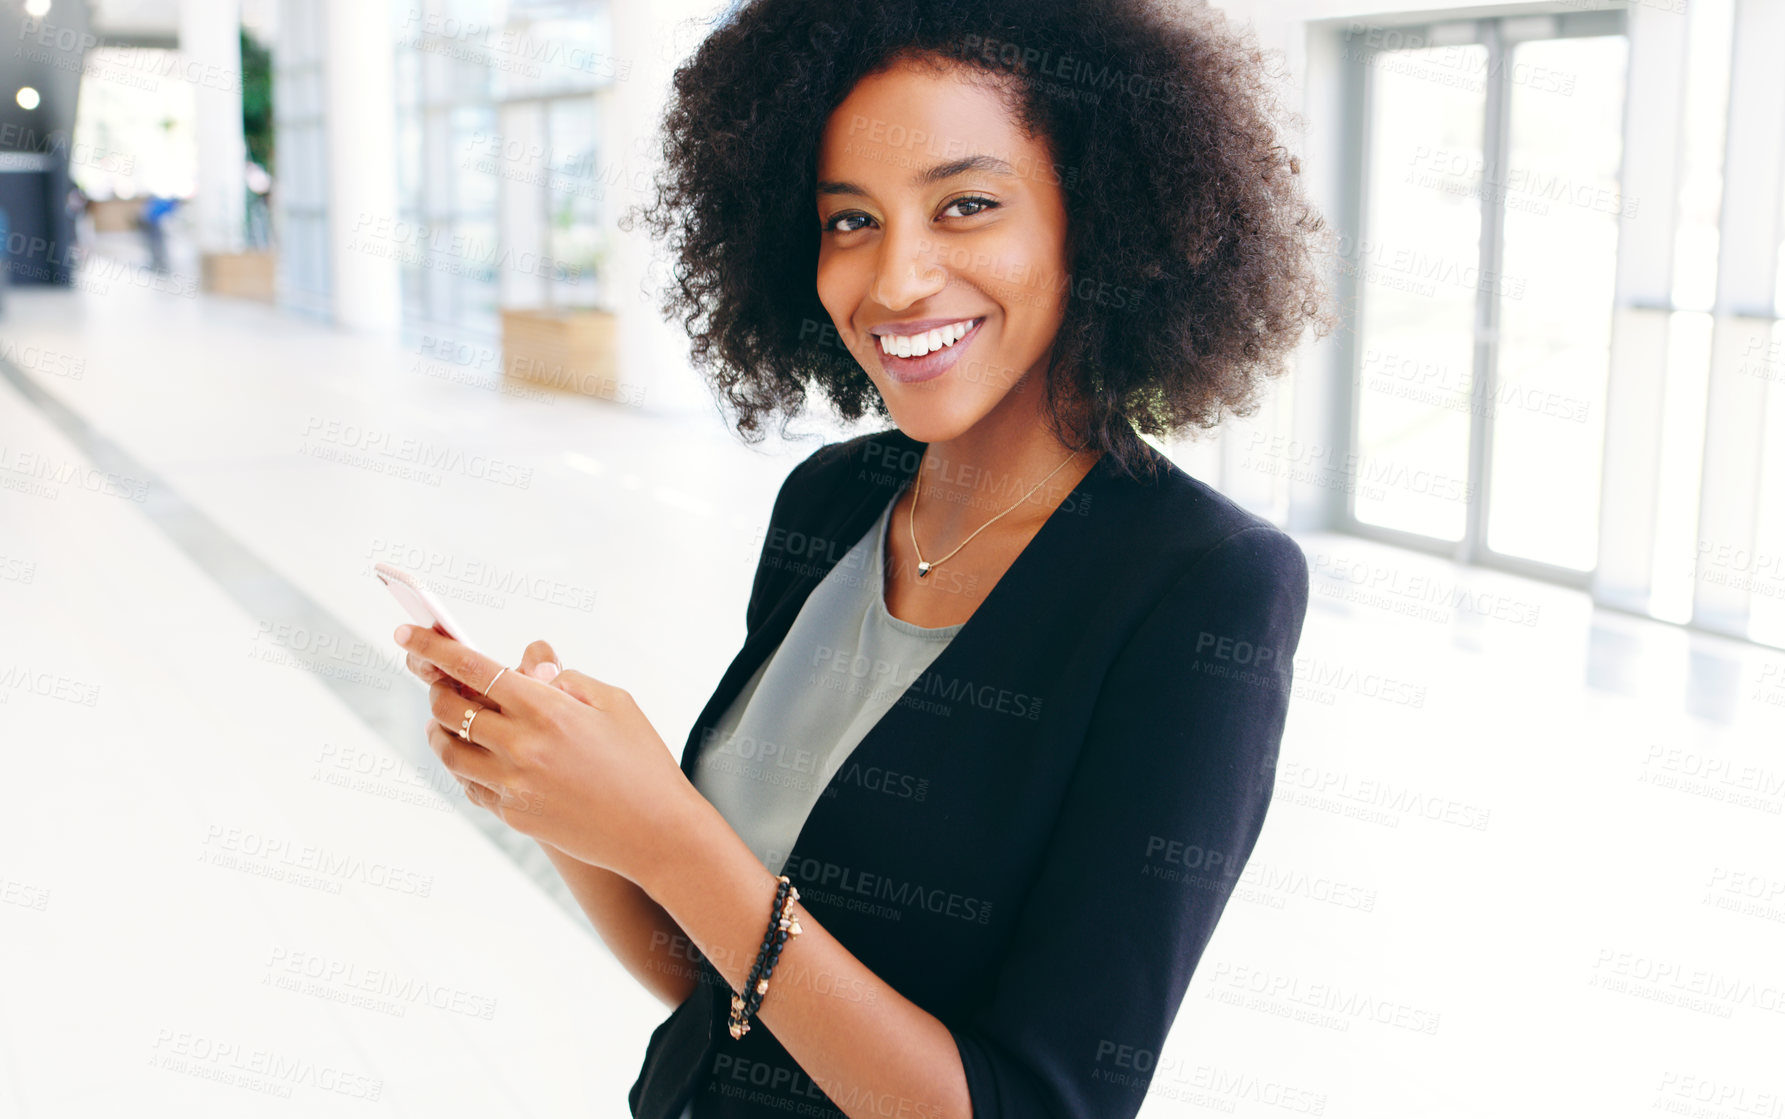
(421, 606)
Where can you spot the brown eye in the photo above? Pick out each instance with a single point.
(980, 205)
(835, 224)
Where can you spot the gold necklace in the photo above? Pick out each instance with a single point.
(925, 566)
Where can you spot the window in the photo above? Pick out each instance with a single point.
(1483, 269)
(300, 120)
(498, 137)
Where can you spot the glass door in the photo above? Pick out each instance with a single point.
(1483, 271)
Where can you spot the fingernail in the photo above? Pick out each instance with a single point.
(545, 671)
(403, 633)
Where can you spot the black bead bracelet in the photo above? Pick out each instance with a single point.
(782, 925)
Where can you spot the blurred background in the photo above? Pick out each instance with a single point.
(292, 287)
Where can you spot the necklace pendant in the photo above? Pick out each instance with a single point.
(922, 569)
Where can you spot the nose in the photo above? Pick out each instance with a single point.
(908, 269)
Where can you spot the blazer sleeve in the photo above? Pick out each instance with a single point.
(1166, 801)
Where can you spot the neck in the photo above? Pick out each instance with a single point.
(988, 469)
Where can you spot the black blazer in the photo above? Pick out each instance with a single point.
(1035, 842)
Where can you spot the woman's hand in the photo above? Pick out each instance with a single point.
(573, 763)
(539, 661)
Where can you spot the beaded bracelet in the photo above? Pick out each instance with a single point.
(785, 926)
(739, 1017)
(782, 925)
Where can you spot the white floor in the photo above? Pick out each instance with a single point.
(1510, 870)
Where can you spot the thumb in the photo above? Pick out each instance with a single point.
(540, 661)
(591, 691)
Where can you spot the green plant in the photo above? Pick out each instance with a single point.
(257, 101)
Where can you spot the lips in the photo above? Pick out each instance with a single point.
(941, 342)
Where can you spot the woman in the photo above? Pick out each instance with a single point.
(1008, 708)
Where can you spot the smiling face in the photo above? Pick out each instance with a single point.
(942, 257)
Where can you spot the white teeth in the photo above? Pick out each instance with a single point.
(917, 345)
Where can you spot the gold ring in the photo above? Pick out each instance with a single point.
(493, 680)
(465, 727)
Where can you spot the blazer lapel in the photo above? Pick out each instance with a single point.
(870, 485)
(1054, 561)
(1057, 557)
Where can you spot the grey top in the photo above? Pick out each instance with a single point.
(843, 664)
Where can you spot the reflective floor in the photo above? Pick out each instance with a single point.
(1525, 857)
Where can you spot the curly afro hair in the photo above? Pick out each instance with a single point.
(1177, 191)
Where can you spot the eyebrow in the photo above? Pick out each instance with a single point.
(990, 164)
